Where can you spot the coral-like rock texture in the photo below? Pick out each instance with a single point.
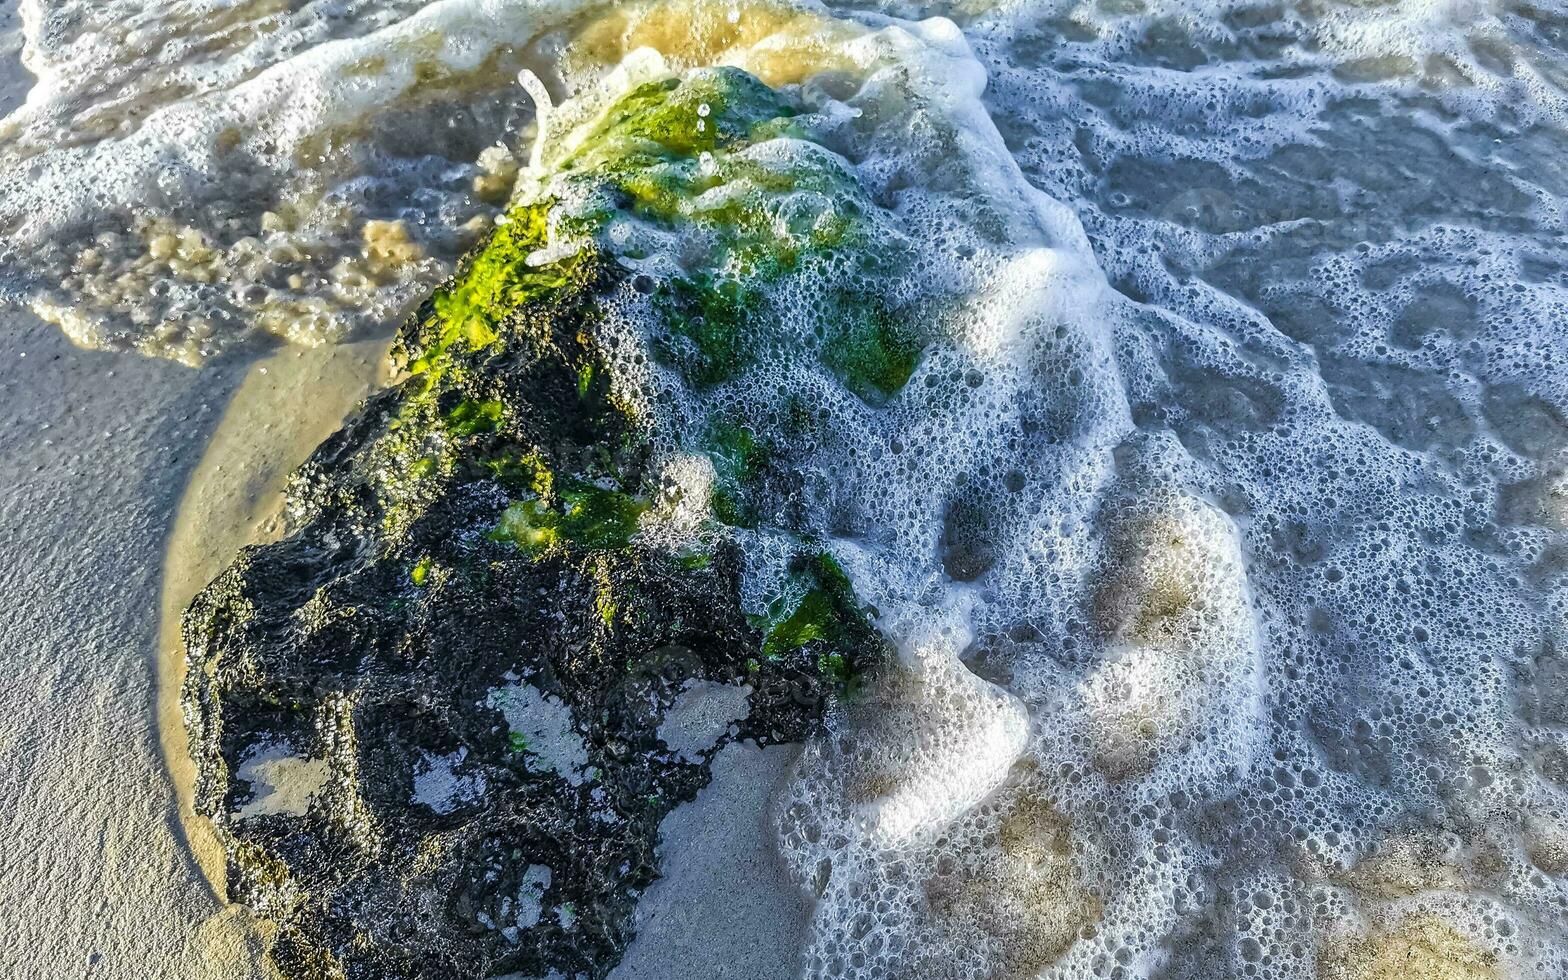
(425, 722)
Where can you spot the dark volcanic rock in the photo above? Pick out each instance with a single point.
(462, 652)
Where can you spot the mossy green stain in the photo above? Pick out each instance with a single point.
(694, 561)
(597, 518)
(586, 515)
(529, 525)
(670, 118)
(823, 608)
(421, 571)
(499, 280)
(668, 152)
(472, 417)
(669, 143)
(871, 350)
(521, 472)
(714, 319)
(835, 667)
(811, 619)
(497, 287)
(604, 605)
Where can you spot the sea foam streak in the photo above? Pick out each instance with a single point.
(1352, 343)
(183, 177)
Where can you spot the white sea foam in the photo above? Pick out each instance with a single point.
(1256, 591)
(183, 177)
(1221, 526)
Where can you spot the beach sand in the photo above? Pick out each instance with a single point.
(99, 876)
(95, 452)
(94, 455)
(286, 405)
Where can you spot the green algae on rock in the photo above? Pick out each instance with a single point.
(472, 540)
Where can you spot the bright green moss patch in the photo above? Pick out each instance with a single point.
(710, 110)
(498, 281)
(770, 217)
(596, 518)
(541, 317)
(710, 326)
(529, 525)
(521, 473)
(472, 417)
(420, 571)
(604, 602)
(672, 153)
(821, 606)
(872, 351)
(586, 515)
(811, 619)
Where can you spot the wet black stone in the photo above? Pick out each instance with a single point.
(325, 642)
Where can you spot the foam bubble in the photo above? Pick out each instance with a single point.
(183, 178)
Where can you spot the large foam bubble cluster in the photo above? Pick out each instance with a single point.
(1350, 347)
(1226, 629)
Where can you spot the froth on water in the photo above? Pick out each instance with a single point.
(1219, 521)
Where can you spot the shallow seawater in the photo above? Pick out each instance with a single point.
(1220, 522)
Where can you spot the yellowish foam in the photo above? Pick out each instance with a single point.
(1423, 947)
(780, 43)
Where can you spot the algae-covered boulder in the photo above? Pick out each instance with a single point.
(426, 722)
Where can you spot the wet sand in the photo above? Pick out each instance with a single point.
(287, 404)
(724, 907)
(98, 877)
(95, 451)
(126, 484)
